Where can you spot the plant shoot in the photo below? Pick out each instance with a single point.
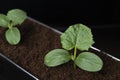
(14, 17)
(76, 37)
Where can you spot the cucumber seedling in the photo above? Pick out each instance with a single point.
(14, 17)
(76, 37)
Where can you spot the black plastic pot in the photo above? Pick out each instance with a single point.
(9, 70)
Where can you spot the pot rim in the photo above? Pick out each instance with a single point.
(19, 67)
(57, 31)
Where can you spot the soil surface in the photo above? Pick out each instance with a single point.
(37, 41)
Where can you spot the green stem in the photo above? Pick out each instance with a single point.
(74, 56)
(10, 26)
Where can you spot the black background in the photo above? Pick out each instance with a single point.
(103, 16)
(67, 11)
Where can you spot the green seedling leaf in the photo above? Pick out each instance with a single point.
(89, 62)
(17, 16)
(78, 36)
(4, 21)
(13, 36)
(57, 57)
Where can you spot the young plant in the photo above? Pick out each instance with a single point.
(76, 37)
(14, 17)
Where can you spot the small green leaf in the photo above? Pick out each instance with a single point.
(57, 57)
(4, 21)
(17, 16)
(13, 36)
(89, 62)
(78, 36)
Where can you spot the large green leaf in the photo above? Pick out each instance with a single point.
(13, 36)
(4, 21)
(89, 62)
(17, 16)
(77, 35)
(56, 57)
